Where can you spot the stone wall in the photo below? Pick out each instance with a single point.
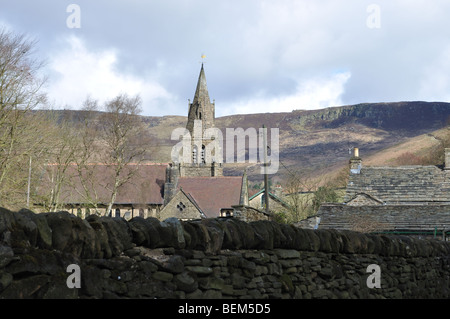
(210, 258)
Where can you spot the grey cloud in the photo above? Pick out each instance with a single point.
(255, 47)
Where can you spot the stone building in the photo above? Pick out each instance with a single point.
(403, 200)
(197, 165)
(195, 187)
(205, 197)
(142, 196)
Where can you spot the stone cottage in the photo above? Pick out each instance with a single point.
(402, 200)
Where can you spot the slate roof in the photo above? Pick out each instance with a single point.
(385, 217)
(403, 185)
(145, 187)
(404, 198)
(212, 193)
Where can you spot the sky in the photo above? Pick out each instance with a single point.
(260, 55)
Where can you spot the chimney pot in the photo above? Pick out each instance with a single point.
(355, 162)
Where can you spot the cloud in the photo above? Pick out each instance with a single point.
(435, 84)
(261, 55)
(78, 72)
(310, 94)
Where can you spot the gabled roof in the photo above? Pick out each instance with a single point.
(402, 185)
(211, 194)
(145, 187)
(192, 200)
(368, 198)
(275, 197)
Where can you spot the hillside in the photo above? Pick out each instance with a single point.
(318, 141)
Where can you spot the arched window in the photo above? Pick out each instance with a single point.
(117, 212)
(194, 154)
(203, 154)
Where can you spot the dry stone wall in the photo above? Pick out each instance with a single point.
(210, 258)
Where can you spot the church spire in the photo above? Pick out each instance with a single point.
(201, 93)
(201, 107)
(206, 160)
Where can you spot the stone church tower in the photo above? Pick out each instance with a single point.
(201, 117)
(201, 110)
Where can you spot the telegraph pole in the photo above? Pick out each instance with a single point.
(266, 182)
(29, 185)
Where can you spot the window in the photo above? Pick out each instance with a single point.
(203, 154)
(194, 154)
(181, 206)
(117, 212)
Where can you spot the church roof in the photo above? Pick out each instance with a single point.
(145, 187)
(212, 194)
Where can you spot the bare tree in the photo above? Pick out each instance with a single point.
(121, 127)
(28, 156)
(61, 156)
(300, 187)
(20, 86)
(87, 155)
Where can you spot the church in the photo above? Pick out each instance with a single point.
(190, 188)
(195, 187)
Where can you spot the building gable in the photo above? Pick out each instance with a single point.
(183, 207)
(363, 199)
(257, 201)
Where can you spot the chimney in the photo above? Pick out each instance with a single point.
(356, 162)
(447, 158)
